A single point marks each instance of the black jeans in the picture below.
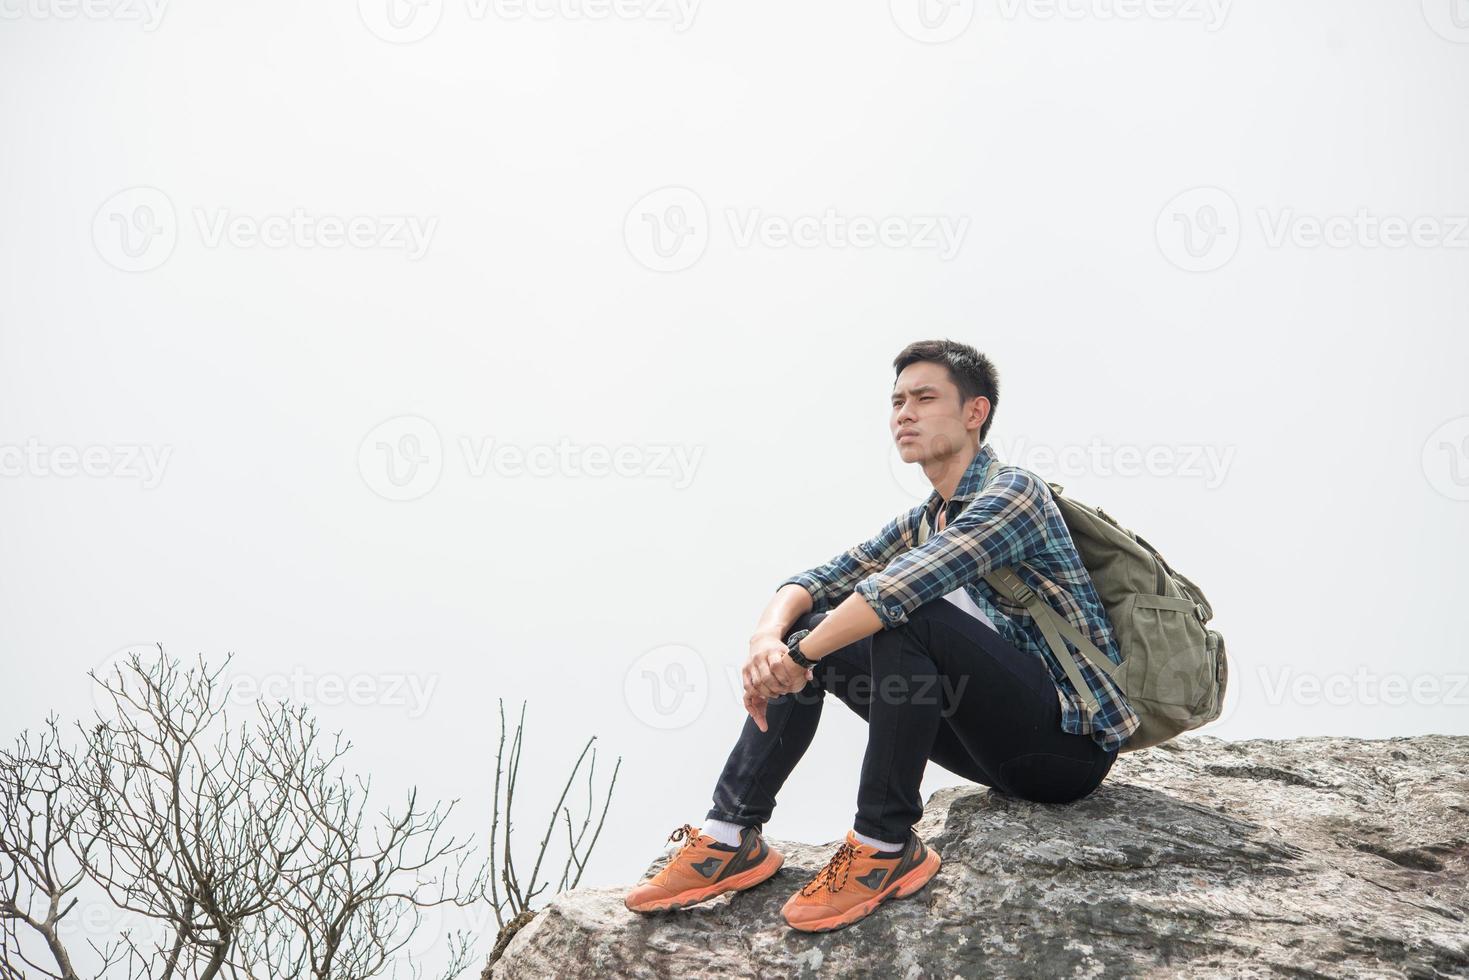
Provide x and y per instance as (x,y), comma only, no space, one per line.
(943,686)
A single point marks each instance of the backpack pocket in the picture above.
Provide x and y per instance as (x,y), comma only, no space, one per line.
(1220,662)
(1167,660)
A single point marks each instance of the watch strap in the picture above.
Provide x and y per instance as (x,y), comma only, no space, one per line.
(793,648)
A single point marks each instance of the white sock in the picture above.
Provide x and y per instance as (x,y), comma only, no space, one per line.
(881,845)
(723,831)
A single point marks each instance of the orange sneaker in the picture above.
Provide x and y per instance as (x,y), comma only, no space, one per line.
(855,881)
(703,869)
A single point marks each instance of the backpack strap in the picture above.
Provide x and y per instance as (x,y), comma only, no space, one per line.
(1052,624)
(1054,627)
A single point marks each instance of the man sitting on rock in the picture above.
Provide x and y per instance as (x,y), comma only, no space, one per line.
(913,639)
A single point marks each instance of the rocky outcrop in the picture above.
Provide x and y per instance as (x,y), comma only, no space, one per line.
(1311,857)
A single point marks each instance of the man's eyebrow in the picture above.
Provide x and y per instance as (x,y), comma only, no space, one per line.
(920,389)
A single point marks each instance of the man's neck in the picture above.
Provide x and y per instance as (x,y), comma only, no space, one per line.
(946,473)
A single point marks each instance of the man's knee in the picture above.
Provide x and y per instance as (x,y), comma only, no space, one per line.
(807,621)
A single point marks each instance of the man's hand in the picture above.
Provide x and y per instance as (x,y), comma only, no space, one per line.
(768,673)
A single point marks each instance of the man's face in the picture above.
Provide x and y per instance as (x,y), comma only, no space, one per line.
(927,421)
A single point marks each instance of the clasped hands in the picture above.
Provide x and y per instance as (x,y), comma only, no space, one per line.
(768,673)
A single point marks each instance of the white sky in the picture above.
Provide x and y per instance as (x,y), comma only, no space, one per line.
(1303,402)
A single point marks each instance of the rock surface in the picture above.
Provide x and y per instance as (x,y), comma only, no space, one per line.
(1310,857)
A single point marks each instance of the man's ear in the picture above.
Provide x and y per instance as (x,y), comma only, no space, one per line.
(979,410)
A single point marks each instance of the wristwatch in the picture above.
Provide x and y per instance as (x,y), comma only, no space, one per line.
(793,647)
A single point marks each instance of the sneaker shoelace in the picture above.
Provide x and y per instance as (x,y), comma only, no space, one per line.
(688,833)
(839,865)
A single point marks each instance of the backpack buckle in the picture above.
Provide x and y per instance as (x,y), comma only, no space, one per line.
(1019,591)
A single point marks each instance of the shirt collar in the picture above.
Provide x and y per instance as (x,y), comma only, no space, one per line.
(973,480)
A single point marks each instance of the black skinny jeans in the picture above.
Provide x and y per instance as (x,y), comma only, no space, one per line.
(942,686)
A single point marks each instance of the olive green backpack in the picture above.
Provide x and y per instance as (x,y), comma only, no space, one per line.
(1174,670)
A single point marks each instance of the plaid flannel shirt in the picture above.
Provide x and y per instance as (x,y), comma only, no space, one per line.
(999,515)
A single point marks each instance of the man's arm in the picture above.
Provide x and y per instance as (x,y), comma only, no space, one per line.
(1004,524)
(789,604)
(814,590)
(832,582)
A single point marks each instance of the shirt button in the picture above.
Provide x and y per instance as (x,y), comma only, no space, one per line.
(895,610)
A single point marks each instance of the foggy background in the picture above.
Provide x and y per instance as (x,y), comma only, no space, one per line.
(427,356)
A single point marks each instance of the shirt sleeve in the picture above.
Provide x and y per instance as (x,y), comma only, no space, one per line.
(1003,524)
(832,582)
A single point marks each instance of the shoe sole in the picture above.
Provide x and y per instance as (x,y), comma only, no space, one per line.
(909,884)
(746,879)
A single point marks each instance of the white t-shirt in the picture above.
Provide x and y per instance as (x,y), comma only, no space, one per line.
(961,598)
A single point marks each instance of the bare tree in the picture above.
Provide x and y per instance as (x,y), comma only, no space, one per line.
(194,822)
(38,825)
(247,848)
(513,908)
(360,898)
(250,844)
